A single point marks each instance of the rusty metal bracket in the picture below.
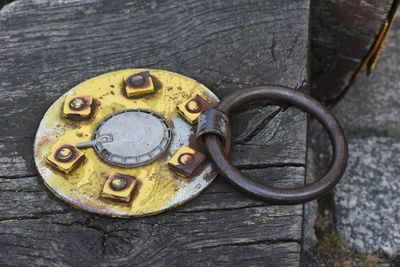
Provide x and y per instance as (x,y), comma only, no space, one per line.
(141,155)
(107,145)
(214,145)
(213,121)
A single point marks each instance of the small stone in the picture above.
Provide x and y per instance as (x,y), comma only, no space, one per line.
(366,199)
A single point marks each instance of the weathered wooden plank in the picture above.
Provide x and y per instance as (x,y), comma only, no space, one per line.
(68,240)
(259,133)
(28,197)
(343,32)
(237,232)
(48,47)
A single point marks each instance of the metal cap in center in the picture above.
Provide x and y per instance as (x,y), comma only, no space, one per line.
(132,138)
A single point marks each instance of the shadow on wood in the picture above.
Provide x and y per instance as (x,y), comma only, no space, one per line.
(50,46)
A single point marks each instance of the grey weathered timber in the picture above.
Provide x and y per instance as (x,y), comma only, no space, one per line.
(47,47)
(343,33)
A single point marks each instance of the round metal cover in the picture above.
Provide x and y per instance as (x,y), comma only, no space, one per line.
(156,187)
(132,138)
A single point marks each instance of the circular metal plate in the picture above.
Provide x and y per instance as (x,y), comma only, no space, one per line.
(158,188)
(132,138)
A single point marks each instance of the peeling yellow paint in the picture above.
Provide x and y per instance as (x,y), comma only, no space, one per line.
(158,188)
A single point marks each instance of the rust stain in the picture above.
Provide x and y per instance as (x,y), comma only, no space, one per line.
(210,176)
(158,188)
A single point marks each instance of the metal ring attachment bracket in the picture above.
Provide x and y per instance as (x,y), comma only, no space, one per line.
(214,123)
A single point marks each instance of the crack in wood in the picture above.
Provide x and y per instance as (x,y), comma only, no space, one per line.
(48,50)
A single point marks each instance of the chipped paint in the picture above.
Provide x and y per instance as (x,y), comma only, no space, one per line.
(158,188)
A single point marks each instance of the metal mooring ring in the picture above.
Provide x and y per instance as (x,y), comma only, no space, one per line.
(215,151)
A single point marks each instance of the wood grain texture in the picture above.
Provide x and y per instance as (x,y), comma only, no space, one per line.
(47,47)
(343,32)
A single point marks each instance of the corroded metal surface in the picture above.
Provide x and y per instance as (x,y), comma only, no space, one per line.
(191,109)
(186,162)
(214,146)
(131,138)
(157,188)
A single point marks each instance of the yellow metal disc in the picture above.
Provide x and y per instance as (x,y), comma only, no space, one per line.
(156,186)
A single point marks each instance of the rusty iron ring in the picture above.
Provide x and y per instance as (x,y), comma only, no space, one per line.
(215,151)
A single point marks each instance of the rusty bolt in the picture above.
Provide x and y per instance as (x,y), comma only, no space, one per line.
(77,103)
(194,106)
(186,162)
(65,153)
(118,183)
(65,158)
(186,159)
(138,80)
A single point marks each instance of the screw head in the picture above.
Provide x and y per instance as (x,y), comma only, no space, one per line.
(77,103)
(64,153)
(118,183)
(193,106)
(186,159)
(138,80)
